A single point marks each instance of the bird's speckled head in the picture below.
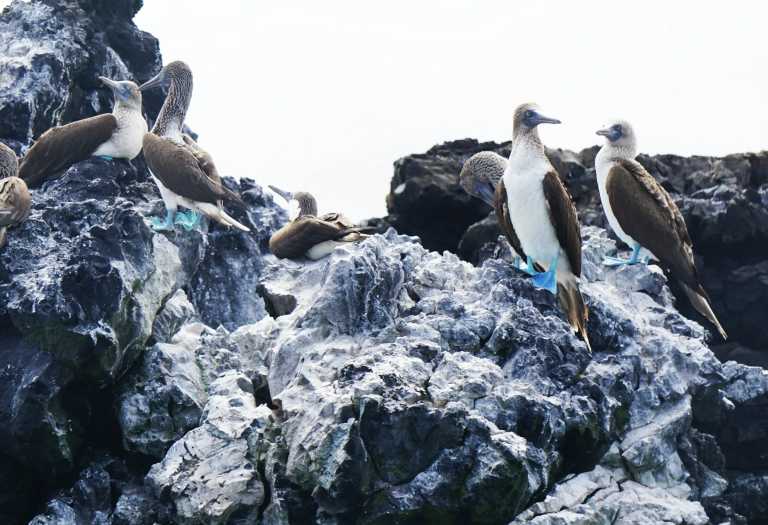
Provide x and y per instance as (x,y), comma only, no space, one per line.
(300,203)
(126,92)
(9,164)
(481,173)
(619,133)
(528,116)
(176,72)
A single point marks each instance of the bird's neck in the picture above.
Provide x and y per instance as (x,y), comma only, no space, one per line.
(307,206)
(124,108)
(528,156)
(528,139)
(616,152)
(171,118)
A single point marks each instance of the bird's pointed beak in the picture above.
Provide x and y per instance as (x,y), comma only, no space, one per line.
(155,81)
(111,84)
(287,195)
(541,119)
(603,132)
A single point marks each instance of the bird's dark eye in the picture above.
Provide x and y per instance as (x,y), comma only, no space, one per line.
(618,129)
(528,113)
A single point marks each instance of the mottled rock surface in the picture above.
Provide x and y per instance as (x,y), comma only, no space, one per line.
(192,378)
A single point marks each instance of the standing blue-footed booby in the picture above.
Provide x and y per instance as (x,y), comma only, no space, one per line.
(112,135)
(539,218)
(182,170)
(308,235)
(15,201)
(643,215)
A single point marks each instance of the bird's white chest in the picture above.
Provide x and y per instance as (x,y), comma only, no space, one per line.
(603,165)
(126,141)
(528,208)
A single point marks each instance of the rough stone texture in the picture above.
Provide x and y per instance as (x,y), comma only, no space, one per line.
(191,378)
(410,387)
(51,54)
(724,201)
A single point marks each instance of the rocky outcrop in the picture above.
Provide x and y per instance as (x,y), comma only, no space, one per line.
(724,201)
(191,377)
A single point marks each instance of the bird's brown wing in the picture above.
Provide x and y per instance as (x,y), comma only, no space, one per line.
(338,219)
(60,147)
(204,159)
(647,213)
(295,238)
(179,170)
(15,201)
(563,215)
(505,223)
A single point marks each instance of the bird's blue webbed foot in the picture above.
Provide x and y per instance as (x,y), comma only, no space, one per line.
(189,220)
(527,267)
(105,157)
(162,224)
(634,259)
(545,280)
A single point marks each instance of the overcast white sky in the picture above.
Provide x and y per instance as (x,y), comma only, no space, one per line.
(324,96)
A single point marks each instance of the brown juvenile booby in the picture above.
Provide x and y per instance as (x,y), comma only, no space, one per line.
(643,215)
(480,175)
(111,135)
(308,235)
(182,170)
(15,201)
(539,218)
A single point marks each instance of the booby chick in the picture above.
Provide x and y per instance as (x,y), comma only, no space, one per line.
(643,215)
(308,235)
(15,201)
(184,173)
(111,135)
(539,219)
(480,175)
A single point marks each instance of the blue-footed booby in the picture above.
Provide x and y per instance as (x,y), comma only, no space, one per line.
(308,235)
(15,201)
(539,218)
(644,216)
(182,170)
(111,135)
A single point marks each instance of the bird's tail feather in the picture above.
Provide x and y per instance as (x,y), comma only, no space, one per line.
(572,303)
(700,302)
(234,198)
(3,231)
(219,215)
(355,233)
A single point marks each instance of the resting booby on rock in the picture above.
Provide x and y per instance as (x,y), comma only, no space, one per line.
(15,201)
(307,234)
(643,215)
(539,219)
(480,175)
(182,170)
(112,135)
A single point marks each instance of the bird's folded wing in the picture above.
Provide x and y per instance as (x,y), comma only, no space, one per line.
(298,236)
(505,223)
(647,213)
(60,147)
(562,212)
(204,159)
(177,167)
